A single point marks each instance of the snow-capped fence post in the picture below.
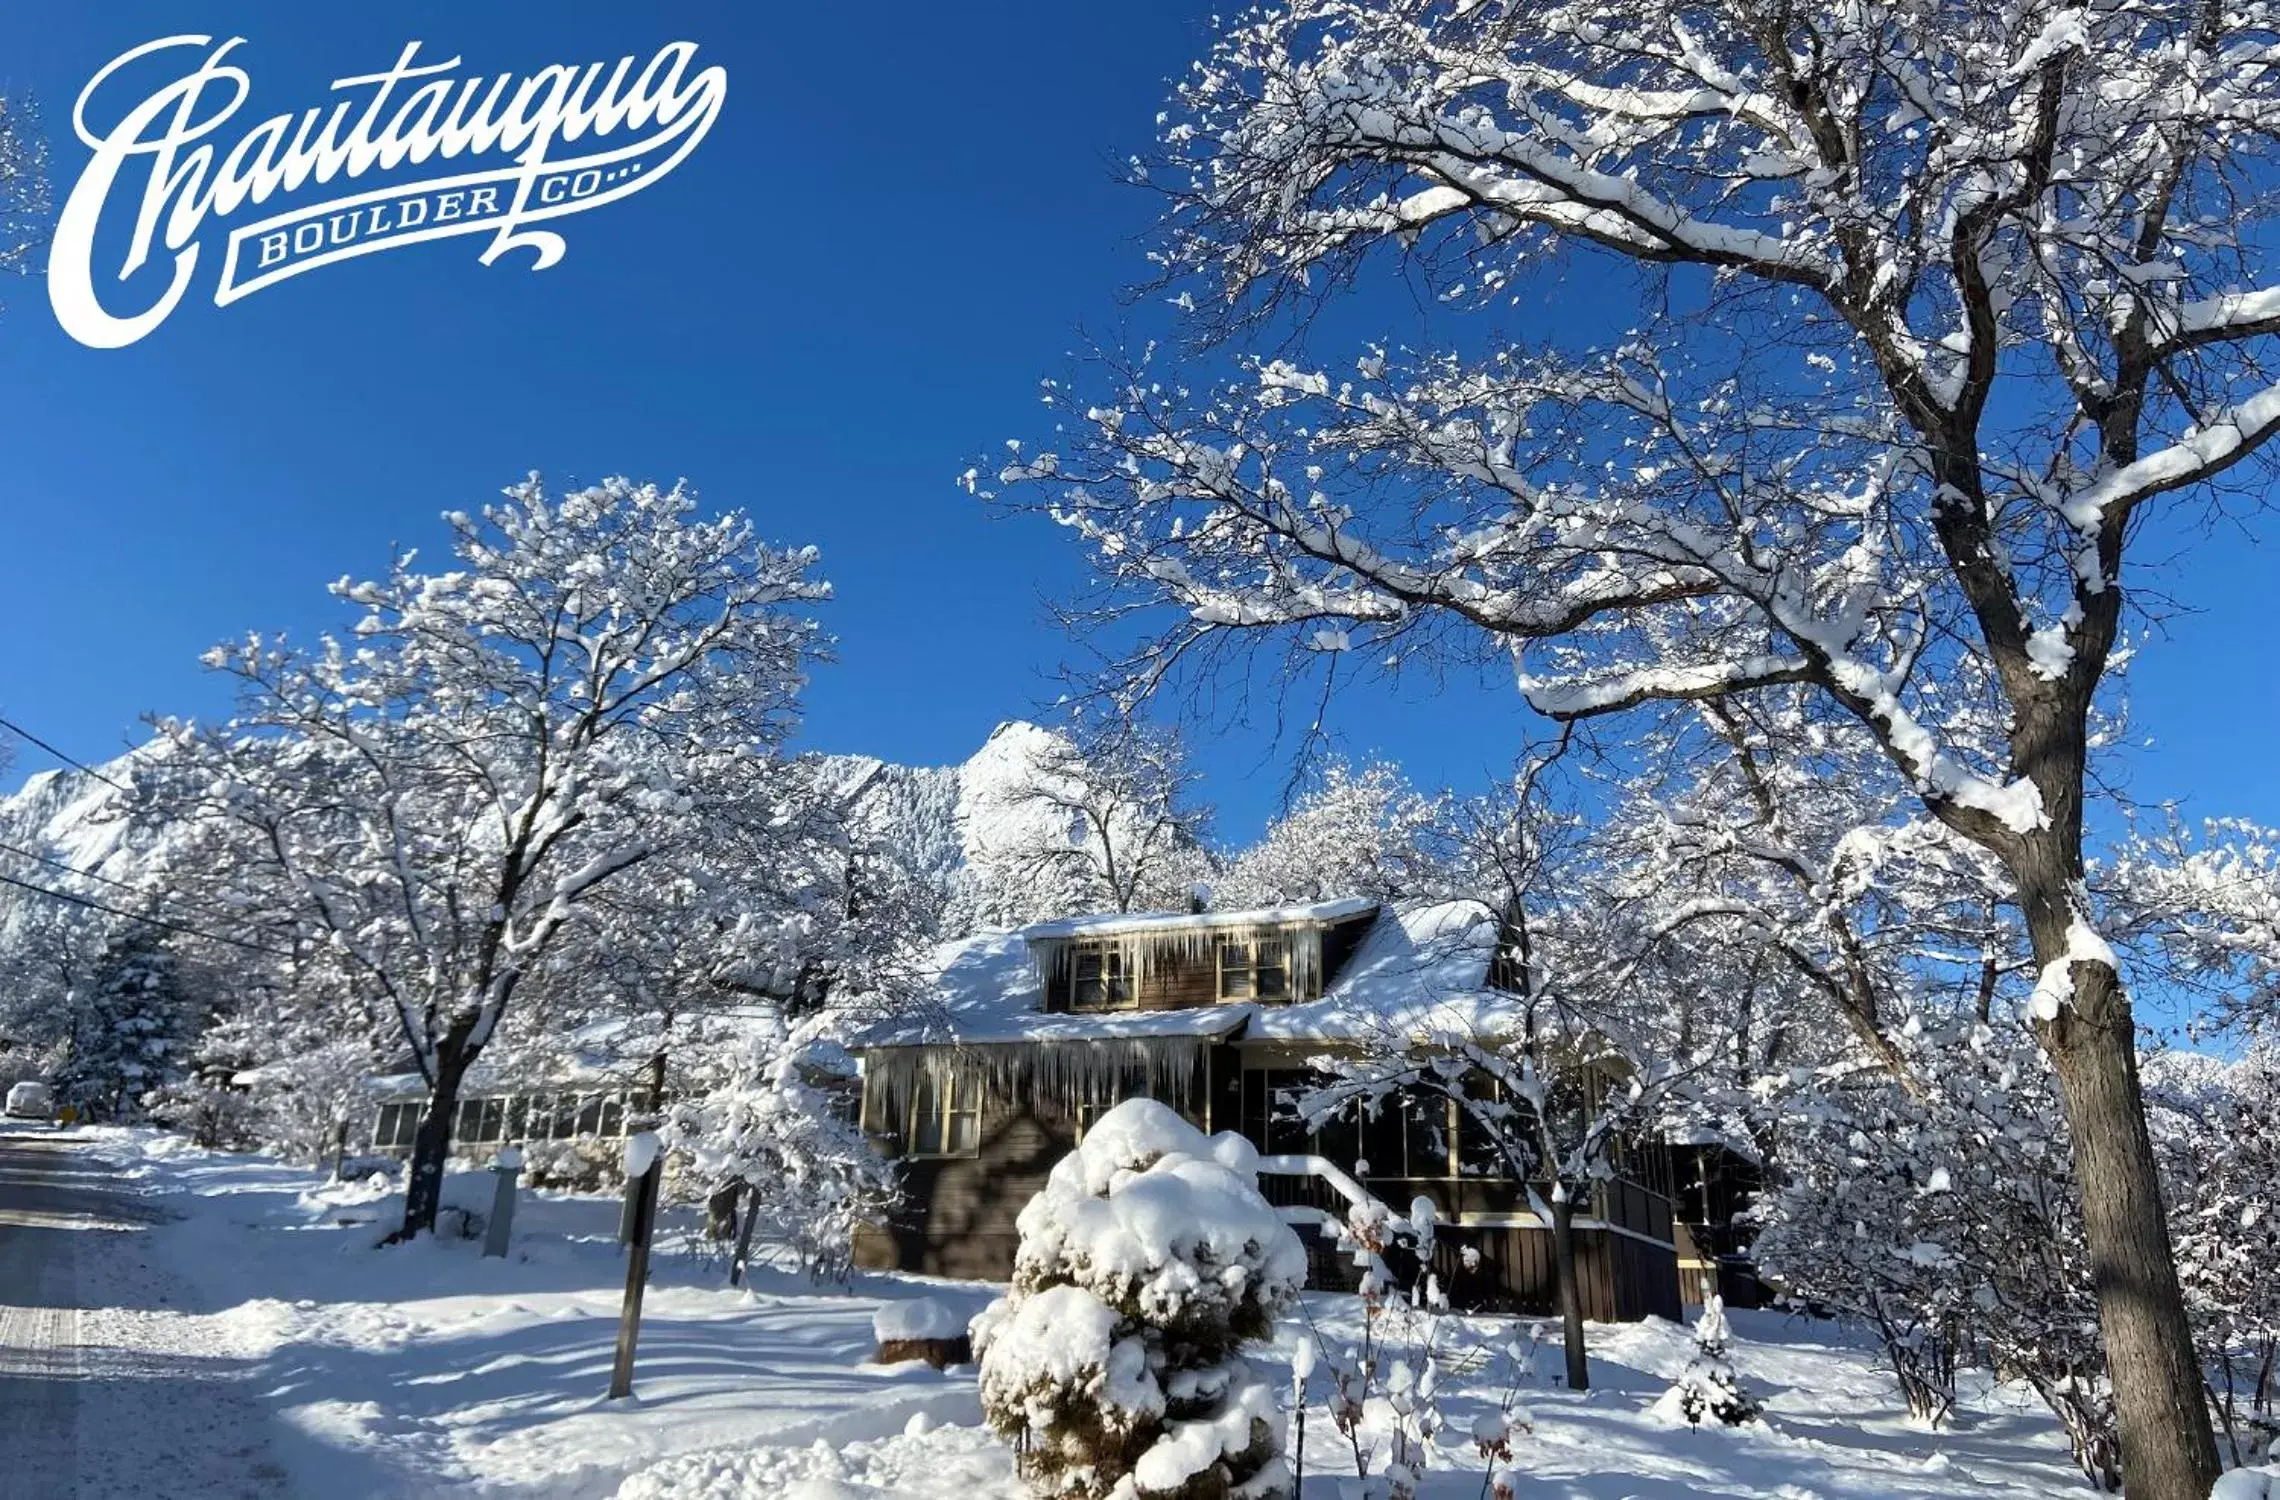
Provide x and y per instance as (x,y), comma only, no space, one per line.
(506,1169)
(644,1166)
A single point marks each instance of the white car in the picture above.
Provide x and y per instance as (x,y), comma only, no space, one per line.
(31,1101)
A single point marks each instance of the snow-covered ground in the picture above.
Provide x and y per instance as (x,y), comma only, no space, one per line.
(426,1369)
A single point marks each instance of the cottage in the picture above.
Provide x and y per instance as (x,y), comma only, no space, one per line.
(1033,1033)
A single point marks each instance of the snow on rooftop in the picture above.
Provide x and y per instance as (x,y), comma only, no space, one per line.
(1168,921)
(988,990)
(1420,970)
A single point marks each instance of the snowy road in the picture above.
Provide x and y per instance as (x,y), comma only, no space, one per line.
(41,1209)
(95,1398)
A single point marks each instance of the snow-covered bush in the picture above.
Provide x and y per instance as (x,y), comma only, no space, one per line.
(2216,1126)
(1708,1390)
(1113,1365)
(1939,1206)
(580,1166)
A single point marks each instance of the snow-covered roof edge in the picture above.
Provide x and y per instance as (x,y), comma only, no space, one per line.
(1158,921)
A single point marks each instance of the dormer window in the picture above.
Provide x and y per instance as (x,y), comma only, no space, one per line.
(1099,981)
(1254,970)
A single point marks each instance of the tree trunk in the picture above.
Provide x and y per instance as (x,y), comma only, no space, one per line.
(1571,1291)
(431,1145)
(720,1212)
(2168,1450)
(743,1258)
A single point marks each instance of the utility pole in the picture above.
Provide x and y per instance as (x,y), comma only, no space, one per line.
(644,1168)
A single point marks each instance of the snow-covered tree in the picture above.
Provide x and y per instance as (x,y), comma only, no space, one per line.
(771,1122)
(1938,303)
(425,804)
(1099,817)
(1114,1363)
(1354,832)
(133,1024)
(25,224)
(1708,1390)
(1584,1051)
(2205,906)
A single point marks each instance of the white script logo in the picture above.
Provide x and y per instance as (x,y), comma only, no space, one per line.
(412,114)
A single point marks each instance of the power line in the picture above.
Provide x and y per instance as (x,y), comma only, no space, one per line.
(159,922)
(69,868)
(22,733)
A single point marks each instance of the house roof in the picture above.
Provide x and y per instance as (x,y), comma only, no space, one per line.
(1417,970)
(1115,923)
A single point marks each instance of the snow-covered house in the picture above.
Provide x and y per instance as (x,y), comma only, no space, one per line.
(1033,1033)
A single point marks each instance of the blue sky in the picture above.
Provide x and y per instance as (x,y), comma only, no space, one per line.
(905,217)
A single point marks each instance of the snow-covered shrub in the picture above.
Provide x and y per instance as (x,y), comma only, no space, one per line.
(1113,1365)
(2216,1127)
(1941,1209)
(578,1166)
(1708,1390)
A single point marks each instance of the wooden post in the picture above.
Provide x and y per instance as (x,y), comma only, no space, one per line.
(645,1166)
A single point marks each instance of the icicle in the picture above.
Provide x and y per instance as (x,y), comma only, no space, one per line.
(1143,952)
(1058,1077)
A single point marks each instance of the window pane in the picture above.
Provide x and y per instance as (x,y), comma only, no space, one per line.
(613,1115)
(1338,1140)
(589,1114)
(965,1131)
(1382,1144)
(1234,972)
(928,1141)
(1272,965)
(1478,1150)
(469,1115)
(1426,1120)
(1287,1134)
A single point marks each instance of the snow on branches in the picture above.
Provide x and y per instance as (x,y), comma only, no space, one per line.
(1708,1390)
(1146,1262)
(1941,298)
(427,801)
(766,1124)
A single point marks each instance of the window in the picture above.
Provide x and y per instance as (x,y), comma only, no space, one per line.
(397,1125)
(1099,982)
(480,1122)
(1270,1119)
(1254,971)
(946,1117)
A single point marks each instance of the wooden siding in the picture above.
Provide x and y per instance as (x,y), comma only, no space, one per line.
(1193,980)
(956,1216)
